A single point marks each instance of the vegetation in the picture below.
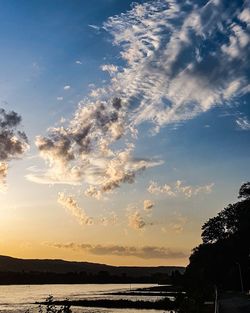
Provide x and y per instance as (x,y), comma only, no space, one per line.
(164,304)
(223,259)
(50,307)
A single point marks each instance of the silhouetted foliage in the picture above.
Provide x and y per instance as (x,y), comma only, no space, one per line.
(245,191)
(232,221)
(224,252)
(51,308)
(227,223)
(163,304)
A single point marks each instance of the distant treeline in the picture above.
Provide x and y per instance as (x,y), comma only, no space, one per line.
(102,277)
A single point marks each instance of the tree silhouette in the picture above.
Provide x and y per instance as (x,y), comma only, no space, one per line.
(232,221)
(225,247)
(245,191)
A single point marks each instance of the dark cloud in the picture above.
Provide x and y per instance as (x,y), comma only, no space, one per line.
(82,150)
(145,252)
(9,119)
(117,103)
(13,142)
(82,136)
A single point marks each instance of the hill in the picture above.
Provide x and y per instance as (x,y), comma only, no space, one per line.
(15,270)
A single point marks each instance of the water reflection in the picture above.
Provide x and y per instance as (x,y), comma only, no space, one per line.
(17,299)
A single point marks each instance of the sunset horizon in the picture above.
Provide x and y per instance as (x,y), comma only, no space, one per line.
(124,126)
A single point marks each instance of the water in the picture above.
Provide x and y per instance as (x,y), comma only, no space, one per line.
(18,299)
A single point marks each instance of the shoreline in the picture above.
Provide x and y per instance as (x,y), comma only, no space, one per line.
(165,303)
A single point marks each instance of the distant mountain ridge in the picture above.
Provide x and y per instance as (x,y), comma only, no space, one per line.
(17,265)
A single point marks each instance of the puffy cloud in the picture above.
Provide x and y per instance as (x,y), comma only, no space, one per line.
(110,219)
(179,189)
(71,205)
(13,142)
(238,40)
(156,189)
(97,93)
(145,252)
(245,14)
(189,191)
(3,173)
(59,98)
(67,87)
(75,151)
(136,221)
(123,169)
(243,123)
(110,68)
(148,205)
(81,152)
(93,192)
(78,62)
(83,135)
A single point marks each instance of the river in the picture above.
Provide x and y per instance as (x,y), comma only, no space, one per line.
(19,298)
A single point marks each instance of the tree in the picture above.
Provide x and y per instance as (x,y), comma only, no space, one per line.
(232,221)
(245,191)
(226,244)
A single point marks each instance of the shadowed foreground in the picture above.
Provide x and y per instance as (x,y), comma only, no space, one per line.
(164,304)
(234,303)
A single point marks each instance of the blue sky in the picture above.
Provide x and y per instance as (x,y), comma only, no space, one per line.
(147,170)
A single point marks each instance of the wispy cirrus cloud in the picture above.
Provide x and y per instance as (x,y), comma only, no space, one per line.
(174,68)
(95,27)
(145,252)
(13,142)
(243,123)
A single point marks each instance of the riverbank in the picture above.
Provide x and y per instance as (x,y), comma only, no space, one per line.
(168,299)
(164,304)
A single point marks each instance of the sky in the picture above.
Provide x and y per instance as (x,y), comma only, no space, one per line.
(124,126)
